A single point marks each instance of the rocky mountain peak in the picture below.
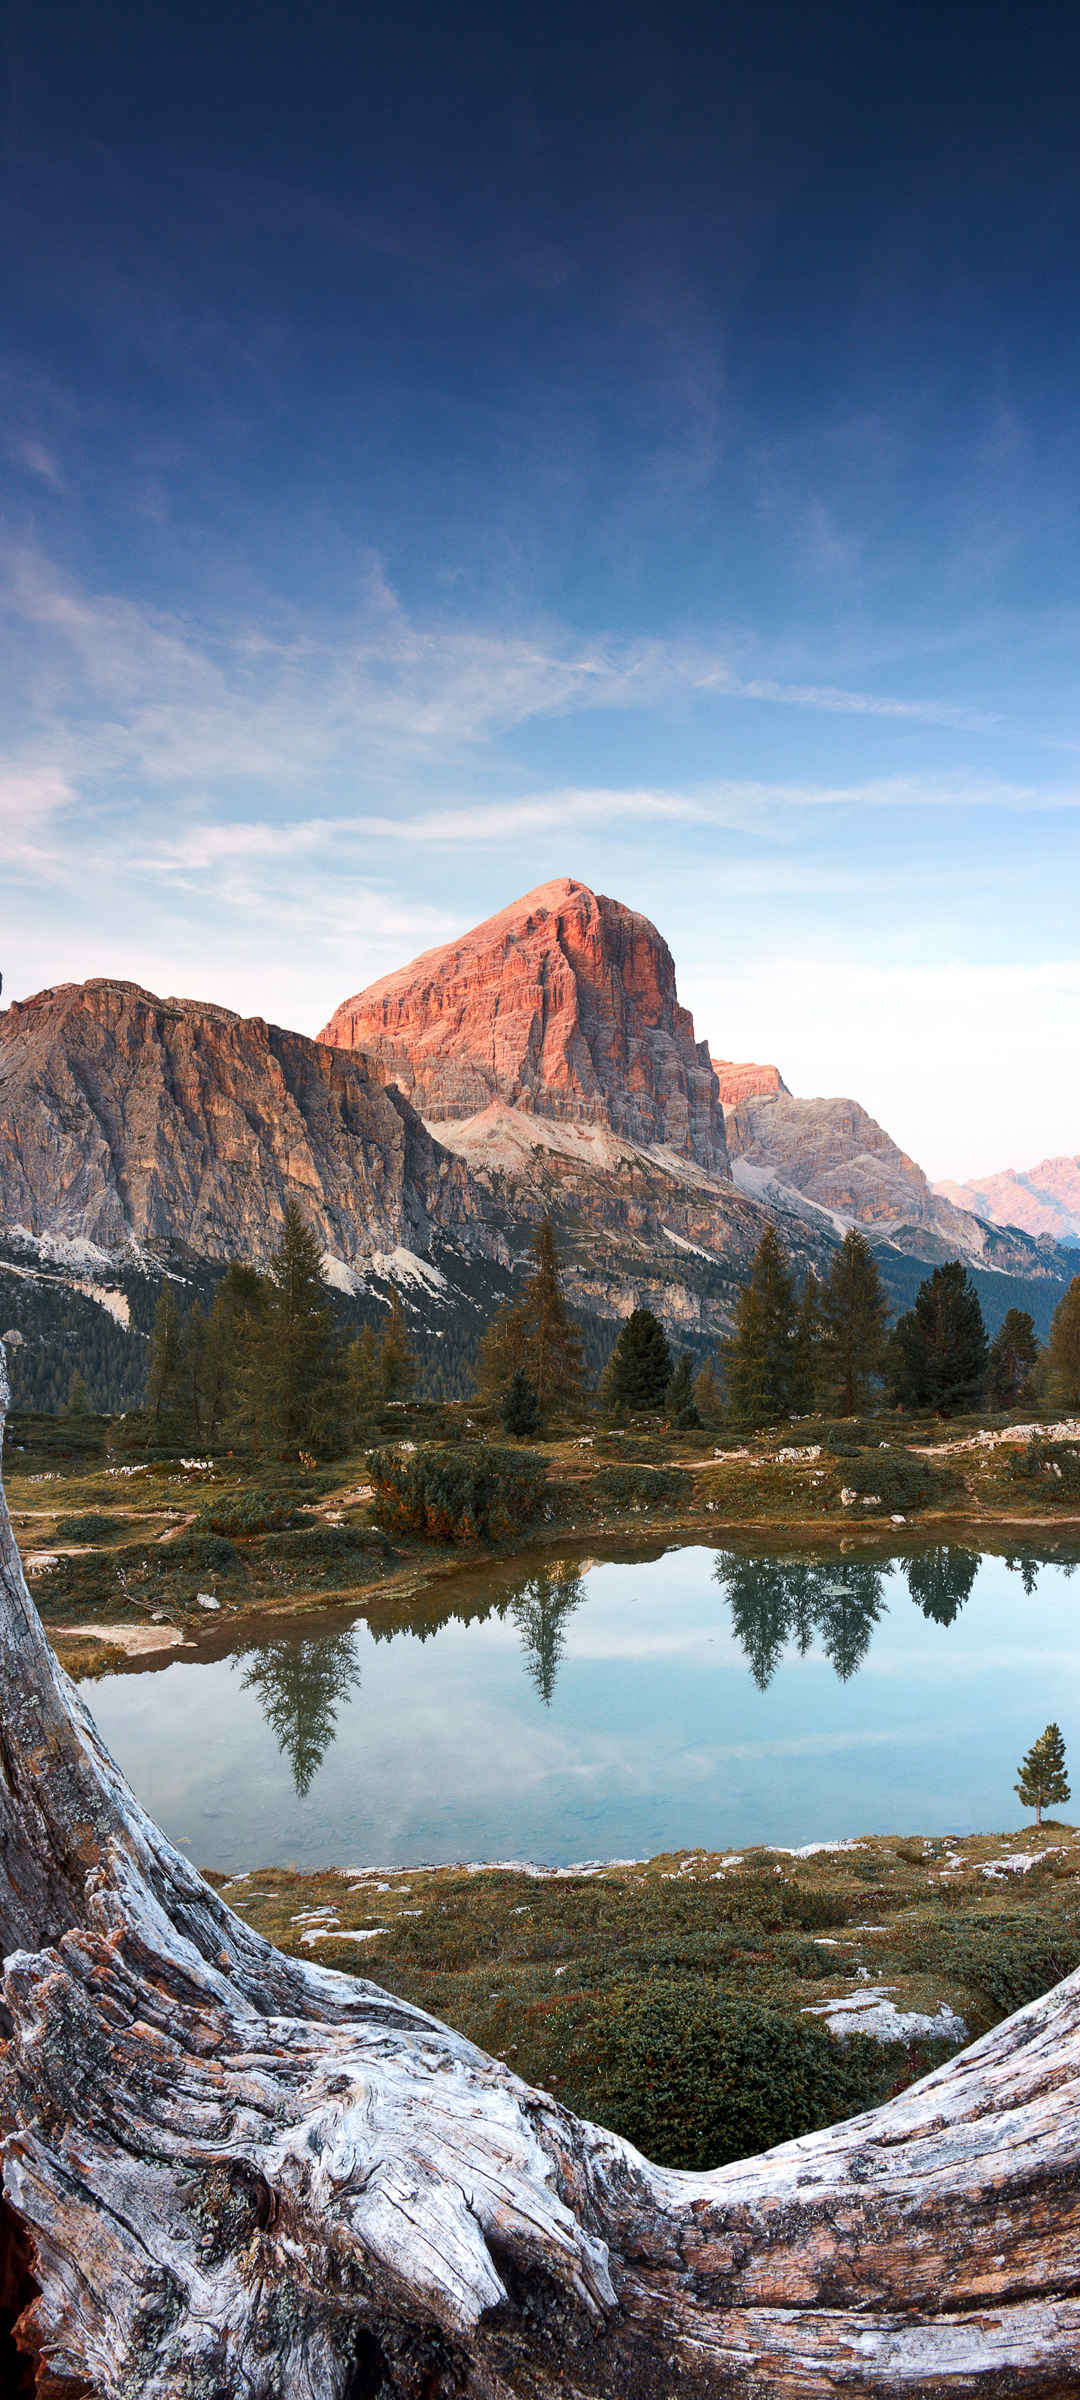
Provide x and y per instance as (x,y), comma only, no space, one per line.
(745,1080)
(563,1006)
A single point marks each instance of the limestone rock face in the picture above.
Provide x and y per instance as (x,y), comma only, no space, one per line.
(745,1081)
(125,1118)
(833,1152)
(1041,1200)
(563,1006)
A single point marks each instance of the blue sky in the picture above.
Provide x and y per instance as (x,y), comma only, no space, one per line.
(446,452)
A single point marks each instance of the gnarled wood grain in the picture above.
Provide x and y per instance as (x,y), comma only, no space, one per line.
(242,2175)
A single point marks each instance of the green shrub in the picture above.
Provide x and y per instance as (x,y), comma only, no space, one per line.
(849,1435)
(456,1494)
(327,1541)
(694,2078)
(1005,1960)
(210,1552)
(633,1489)
(899,1481)
(1046,1470)
(93,1527)
(251,1512)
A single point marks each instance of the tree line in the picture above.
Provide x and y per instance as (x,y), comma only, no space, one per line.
(266,1365)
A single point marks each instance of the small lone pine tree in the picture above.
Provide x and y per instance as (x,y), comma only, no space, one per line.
(638,1372)
(77,1401)
(1042,1779)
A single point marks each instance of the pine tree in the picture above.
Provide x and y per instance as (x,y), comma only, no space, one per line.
(397,1364)
(1013,1353)
(363,1382)
(854,1315)
(760,1353)
(299,1687)
(1042,1779)
(940,1581)
(535,1334)
(708,1397)
(679,1398)
(77,1401)
(639,1369)
(295,1380)
(232,1331)
(540,1608)
(1062,1362)
(806,1371)
(163,1370)
(938,1355)
(520,1410)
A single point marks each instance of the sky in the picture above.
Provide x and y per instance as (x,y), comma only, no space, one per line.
(444,449)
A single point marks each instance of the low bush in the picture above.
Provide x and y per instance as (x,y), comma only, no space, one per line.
(93,1527)
(900,1482)
(1048,1471)
(456,1494)
(328,1541)
(251,1512)
(1004,1960)
(694,2078)
(210,1552)
(850,1434)
(634,1490)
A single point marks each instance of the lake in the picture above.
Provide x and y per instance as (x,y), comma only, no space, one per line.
(561,1709)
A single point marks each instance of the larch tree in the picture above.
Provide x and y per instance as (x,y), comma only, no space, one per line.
(1062,1363)
(854,1316)
(1013,1355)
(761,1350)
(294,1378)
(397,1361)
(536,1334)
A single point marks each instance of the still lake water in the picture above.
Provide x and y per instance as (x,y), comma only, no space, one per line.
(591,1708)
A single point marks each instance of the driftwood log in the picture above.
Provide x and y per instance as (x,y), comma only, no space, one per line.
(231,2176)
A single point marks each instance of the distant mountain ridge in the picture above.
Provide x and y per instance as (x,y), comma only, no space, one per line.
(1042,1200)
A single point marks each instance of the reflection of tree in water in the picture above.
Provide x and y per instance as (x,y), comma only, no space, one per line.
(940,1581)
(775,1601)
(1027,1570)
(540,1607)
(299,1686)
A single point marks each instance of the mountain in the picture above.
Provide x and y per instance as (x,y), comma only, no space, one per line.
(127,1121)
(1041,1200)
(562,1007)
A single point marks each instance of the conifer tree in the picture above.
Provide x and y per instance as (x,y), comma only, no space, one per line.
(638,1372)
(1013,1353)
(535,1334)
(232,1330)
(679,1398)
(397,1364)
(761,1351)
(854,1314)
(938,1355)
(295,1377)
(77,1402)
(708,1397)
(1062,1365)
(163,1370)
(362,1378)
(1042,1781)
(520,1410)
(806,1371)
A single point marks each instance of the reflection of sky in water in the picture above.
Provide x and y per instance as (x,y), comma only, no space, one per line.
(655,1736)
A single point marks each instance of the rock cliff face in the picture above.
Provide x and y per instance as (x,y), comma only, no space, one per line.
(562,1007)
(831,1151)
(1041,1200)
(745,1081)
(124,1118)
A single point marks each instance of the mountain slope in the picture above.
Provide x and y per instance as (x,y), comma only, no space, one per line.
(1041,1200)
(129,1120)
(564,1007)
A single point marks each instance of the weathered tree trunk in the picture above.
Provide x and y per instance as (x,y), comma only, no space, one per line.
(239,2175)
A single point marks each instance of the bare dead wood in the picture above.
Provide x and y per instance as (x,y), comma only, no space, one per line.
(243,2175)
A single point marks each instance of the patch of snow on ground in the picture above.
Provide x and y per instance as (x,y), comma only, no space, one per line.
(403,1266)
(695,1248)
(335,1933)
(60,1249)
(1018,1862)
(340,1276)
(872,2012)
